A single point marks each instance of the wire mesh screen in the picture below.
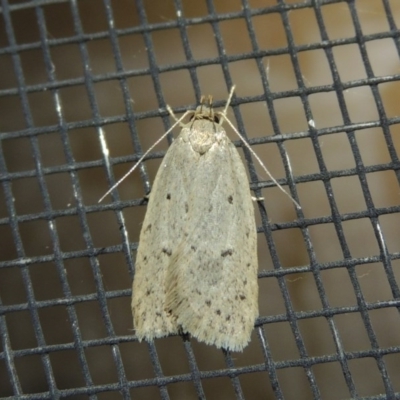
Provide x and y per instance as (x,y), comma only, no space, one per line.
(83,92)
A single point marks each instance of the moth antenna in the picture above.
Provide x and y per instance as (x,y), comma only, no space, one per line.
(228,102)
(175,117)
(254,154)
(178,121)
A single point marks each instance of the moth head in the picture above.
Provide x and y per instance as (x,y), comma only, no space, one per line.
(205,111)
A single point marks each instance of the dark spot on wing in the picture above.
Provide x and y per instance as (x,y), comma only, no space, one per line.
(218,312)
(168,252)
(230,199)
(210,208)
(180,302)
(228,318)
(148,228)
(208,302)
(242,297)
(168,196)
(228,252)
(194,248)
(186,207)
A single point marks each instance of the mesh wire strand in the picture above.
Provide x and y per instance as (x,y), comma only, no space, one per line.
(9,357)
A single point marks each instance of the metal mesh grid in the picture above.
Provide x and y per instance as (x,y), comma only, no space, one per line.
(329,322)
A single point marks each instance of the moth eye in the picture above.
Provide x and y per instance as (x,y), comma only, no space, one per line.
(216,119)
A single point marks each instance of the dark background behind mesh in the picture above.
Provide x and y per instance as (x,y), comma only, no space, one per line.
(83,90)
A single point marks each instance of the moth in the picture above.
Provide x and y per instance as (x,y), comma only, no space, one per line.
(196,264)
